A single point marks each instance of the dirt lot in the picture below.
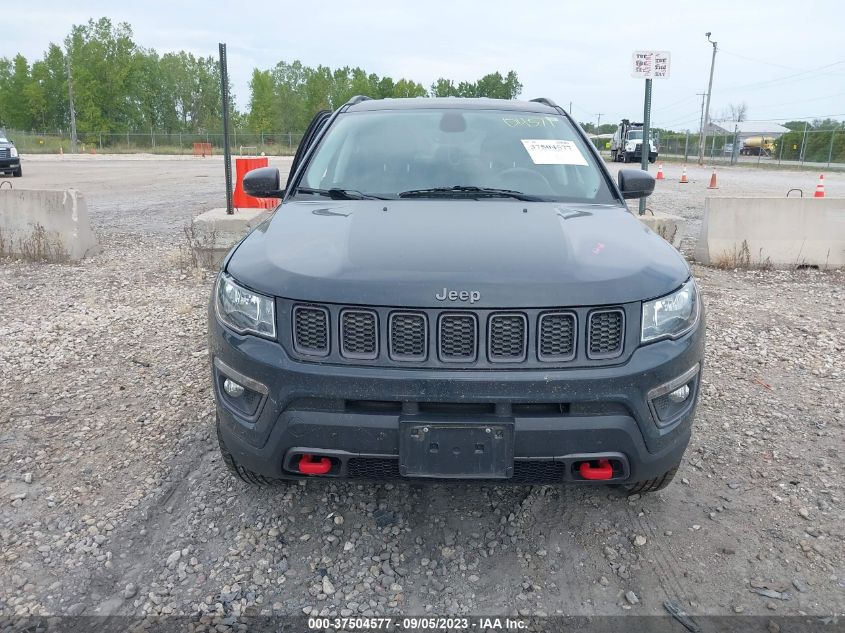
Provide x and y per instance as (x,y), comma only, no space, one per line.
(115,500)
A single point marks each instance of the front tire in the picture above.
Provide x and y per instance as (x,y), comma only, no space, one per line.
(653,485)
(18,172)
(244,474)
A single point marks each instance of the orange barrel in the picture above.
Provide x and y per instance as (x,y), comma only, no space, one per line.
(239,197)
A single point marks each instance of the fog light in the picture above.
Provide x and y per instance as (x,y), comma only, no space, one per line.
(680,394)
(232,388)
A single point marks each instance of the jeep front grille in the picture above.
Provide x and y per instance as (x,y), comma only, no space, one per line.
(606,333)
(359,334)
(5,152)
(507,341)
(557,336)
(408,336)
(457,338)
(311,330)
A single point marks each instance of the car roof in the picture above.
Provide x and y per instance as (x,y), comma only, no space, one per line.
(457,103)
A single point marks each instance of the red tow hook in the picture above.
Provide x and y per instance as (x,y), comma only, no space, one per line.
(603,471)
(310,465)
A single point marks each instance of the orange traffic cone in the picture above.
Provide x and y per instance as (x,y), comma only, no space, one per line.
(713,184)
(659,175)
(684,175)
(820,187)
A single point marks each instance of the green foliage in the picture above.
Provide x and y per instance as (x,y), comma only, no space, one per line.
(493,86)
(816,145)
(120,87)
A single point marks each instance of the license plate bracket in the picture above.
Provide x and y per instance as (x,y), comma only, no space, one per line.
(456,450)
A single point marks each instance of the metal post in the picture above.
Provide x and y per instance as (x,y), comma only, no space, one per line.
(780,149)
(707,107)
(830,151)
(735,146)
(686,147)
(73,138)
(227,154)
(803,143)
(646,144)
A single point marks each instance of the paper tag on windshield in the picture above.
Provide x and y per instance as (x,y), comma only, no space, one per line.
(551,152)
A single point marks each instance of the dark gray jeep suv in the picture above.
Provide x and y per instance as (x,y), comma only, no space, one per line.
(454,289)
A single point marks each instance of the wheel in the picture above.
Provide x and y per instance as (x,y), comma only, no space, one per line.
(18,172)
(653,485)
(244,474)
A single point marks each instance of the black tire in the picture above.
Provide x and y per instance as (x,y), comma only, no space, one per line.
(18,172)
(245,475)
(653,485)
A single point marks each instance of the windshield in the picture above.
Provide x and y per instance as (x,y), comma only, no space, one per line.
(3,139)
(635,135)
(391,152)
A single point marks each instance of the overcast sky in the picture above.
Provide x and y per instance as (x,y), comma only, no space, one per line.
(786,60)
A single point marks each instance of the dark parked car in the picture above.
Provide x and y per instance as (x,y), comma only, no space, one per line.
(454,289)
(10,162)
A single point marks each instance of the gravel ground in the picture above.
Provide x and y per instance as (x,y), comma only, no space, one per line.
(115,500)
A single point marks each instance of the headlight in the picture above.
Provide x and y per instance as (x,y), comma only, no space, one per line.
(629,147)
(672,315)
(14,152)
(243,310)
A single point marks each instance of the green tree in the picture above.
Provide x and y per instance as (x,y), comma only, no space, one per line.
(16,94)
(263,104)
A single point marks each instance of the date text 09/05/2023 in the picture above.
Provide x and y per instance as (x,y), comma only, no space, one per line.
(423,623)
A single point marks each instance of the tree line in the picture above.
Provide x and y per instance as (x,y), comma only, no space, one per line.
(120,86)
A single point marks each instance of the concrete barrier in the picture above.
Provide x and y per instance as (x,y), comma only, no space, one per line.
(669,227)
(48,225)
(214,233)
(780,232)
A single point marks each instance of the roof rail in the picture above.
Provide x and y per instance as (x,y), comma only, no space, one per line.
(545,101)
(358,99)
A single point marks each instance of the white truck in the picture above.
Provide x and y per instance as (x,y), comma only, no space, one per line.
(626,146)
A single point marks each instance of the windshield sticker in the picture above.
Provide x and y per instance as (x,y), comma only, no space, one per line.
(530,121)
(552,152)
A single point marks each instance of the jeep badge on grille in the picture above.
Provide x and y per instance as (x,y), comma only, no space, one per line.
(458,295)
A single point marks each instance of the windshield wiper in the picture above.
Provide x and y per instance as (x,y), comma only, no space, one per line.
(471,191)
(340,194)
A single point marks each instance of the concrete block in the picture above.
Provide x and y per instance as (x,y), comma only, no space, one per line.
(41,224)
(669,227)
(214,232)
(779,232)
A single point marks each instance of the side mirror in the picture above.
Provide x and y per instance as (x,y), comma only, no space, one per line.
(264,182)
(635,183)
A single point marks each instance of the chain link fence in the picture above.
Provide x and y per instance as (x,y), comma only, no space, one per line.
(813,148)
(156,142)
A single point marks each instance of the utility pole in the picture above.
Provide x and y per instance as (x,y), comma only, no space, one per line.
(72,109)
(707,107)
(598,122)
(701,120)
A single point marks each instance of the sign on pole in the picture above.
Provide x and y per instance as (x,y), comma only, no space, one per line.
(650,65)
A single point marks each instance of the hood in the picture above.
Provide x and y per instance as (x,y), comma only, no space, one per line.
(404,252)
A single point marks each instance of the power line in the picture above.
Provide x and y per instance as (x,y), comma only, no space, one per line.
(785,78)
(777,105)
(759,61)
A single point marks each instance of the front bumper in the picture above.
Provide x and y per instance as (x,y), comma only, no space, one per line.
(9,164)
(353,413)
